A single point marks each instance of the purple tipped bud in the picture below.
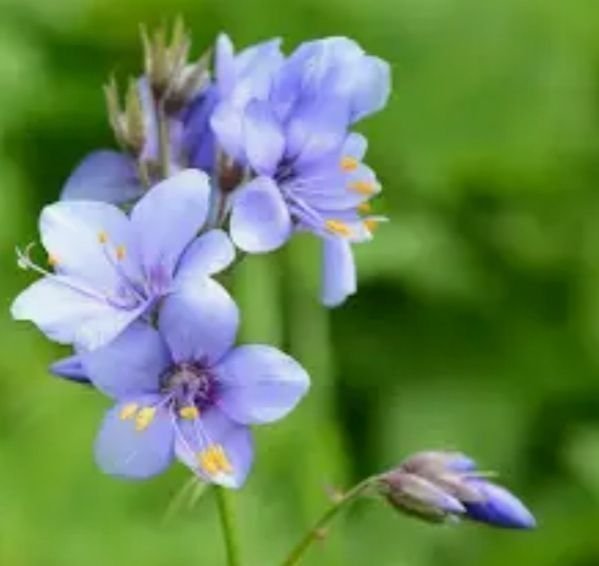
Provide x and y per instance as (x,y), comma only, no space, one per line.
(498,507)
(417,496)
(438,461)
(439,485)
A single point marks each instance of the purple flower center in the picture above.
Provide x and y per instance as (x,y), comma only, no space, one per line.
(190,384)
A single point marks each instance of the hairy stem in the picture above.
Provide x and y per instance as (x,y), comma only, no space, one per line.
(227,521)
(318,529)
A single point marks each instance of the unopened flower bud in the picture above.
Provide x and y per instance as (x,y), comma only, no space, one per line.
(437,486)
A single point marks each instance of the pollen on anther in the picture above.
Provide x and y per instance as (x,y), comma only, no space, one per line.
(102,237)
(364,208)
(365,188)
(128,411)
(121,252)
(213,460)
(52,260)
(144,418)
(371,224)
(349,163)
(189,413)
(339,228)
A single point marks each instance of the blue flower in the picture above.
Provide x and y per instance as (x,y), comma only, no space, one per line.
(289,124)
(111,269)
(185,391)
(437,486)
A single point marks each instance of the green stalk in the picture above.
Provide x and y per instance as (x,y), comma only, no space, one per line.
(227,520)
(318,529)
(163,140)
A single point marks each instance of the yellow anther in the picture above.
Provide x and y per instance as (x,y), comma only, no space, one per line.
(365,188)
(339,228)
(371,224)
(52,260)
(349,163)
(144,418)
(365,208)
(102,237)
(214,460)
(189,413)
(222,460)
(121,252)
(128,411)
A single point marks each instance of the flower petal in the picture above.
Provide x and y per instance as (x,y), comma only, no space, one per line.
(123,450)
(498,507)
(70,368)
(371,88)
(130,365)
(215,429)
(260,384)
(211,253)
(260,220)
(82,237)
(264,142)
(199,321)
(338,272)
(103,175)
(168,217)
(68,316)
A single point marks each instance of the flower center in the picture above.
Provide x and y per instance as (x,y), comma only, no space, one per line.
(190,385)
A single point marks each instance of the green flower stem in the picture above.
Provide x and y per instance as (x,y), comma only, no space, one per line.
(318,529)
(227,520)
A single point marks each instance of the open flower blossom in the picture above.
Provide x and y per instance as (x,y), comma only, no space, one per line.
(110,269)
(437,486)
(289,124)
(184,390)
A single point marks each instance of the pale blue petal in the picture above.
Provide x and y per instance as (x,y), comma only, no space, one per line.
(70,368)
(122,450)
(260,220)
(199,321)
(104,175)
(130,365)
(68,316)
(210,253)
(264,142)
(338,271)
(168,218)
(82,237)
(260,384)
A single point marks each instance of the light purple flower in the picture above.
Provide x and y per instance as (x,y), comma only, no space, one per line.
(291,129)
(111,269)
(185,391)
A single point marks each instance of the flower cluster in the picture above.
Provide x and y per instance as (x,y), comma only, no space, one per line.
(213,164)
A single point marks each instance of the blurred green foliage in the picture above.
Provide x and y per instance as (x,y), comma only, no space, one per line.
(477,324)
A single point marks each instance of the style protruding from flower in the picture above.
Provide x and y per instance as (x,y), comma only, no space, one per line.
(109,269)
(446,486)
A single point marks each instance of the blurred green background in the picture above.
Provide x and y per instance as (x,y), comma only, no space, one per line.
(477,322)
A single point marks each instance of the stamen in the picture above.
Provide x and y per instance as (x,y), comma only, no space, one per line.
(121,252)
(365,208)
(128,411)
(52,260)
(339,228)
(213,460)
(349,163)
(102,237)
(365,188)
(189,413)
(371,224)
(144,418)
